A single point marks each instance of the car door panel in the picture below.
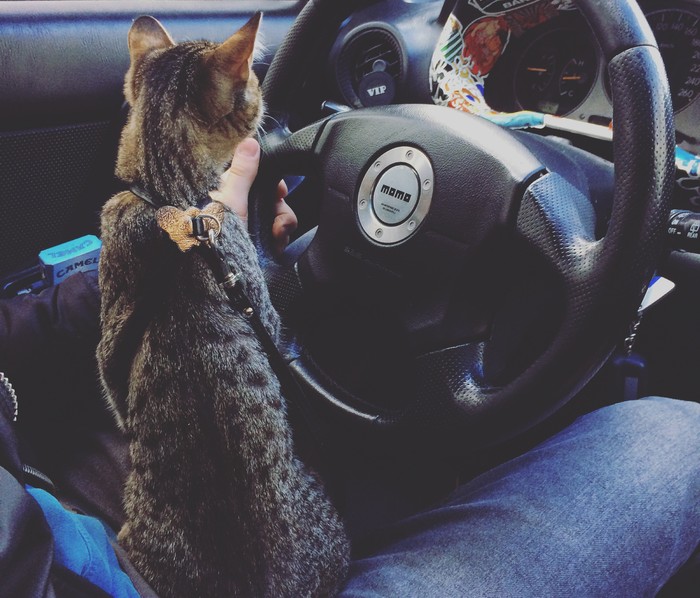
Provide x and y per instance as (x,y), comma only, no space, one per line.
(62,67)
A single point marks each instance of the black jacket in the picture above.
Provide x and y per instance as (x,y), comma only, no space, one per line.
(47,347)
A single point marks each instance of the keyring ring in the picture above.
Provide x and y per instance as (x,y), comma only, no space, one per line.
(212,233)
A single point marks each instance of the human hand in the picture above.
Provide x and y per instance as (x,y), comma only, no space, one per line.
(235,186)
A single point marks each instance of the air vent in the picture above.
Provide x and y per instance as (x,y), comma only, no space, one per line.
(367,52)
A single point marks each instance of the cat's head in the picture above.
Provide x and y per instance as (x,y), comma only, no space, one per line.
(190,105)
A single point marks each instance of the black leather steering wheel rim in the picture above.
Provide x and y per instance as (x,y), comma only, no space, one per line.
(604,279)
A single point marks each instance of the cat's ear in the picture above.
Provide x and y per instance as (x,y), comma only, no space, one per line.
(228,67)
(147,34)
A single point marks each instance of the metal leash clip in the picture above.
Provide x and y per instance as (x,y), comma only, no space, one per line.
(191,227)
(202,232)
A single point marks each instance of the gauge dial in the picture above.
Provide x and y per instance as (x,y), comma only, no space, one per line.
(539,71)
(677,33)
(575,80)
(556,72)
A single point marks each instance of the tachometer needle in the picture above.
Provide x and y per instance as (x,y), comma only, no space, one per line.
(572,78)
(536,69)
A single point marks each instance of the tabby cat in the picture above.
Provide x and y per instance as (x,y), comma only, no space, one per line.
(217,503)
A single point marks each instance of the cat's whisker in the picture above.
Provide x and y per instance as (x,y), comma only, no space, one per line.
(260,130)
(263,122)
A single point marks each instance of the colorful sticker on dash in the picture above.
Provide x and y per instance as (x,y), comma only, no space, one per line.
(494,7)
(475,36)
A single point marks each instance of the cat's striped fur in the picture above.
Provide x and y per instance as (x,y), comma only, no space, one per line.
(217,503)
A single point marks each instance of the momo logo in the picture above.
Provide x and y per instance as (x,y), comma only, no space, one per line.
(492,7)
(380,90)
(396,193)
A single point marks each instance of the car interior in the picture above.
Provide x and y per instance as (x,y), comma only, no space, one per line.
(494,297)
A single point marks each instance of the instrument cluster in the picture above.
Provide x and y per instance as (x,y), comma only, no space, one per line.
(557,68)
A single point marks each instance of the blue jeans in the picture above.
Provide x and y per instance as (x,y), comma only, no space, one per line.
(608,507)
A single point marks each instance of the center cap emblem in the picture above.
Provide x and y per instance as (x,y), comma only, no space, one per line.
(395,194)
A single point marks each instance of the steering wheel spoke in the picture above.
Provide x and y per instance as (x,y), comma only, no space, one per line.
(557,222)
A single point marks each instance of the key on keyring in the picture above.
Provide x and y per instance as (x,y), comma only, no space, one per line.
(630,367)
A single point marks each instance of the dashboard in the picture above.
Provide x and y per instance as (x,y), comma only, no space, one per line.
(528,55)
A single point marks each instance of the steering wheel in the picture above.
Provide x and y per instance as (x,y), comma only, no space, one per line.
(454,284)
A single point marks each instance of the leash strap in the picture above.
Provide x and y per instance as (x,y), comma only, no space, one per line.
(239,300)
(142,194)
(199,229)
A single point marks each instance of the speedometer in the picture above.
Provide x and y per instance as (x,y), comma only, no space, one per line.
(556,72)
(677,33)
